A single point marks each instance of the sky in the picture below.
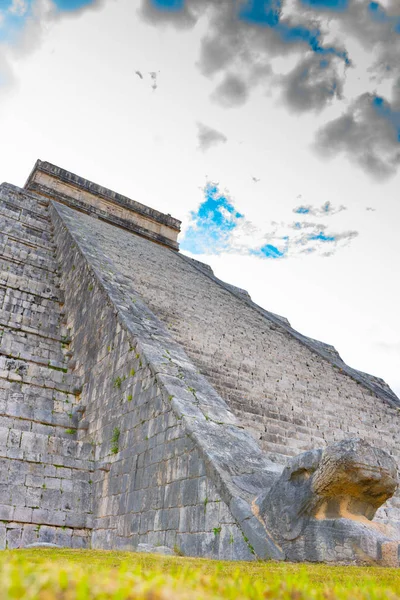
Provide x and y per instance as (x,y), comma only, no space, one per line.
(270,128)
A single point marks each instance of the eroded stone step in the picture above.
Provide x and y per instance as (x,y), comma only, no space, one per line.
(42,493)
(22,252)
(37,421)
(28,233)
(26,204)
(35,398)
(37,360)
(29,346)
(27,217)
(32,325)
(29,199)
(20,535)
(41,289)
(12,369)
(16,406)
(40,448)
(24,201)
(26,270)
(43,310)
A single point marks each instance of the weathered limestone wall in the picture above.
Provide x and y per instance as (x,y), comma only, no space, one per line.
(45,471)
(167,465)
(290,398)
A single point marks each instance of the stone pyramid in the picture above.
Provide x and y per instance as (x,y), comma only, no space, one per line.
(146,404)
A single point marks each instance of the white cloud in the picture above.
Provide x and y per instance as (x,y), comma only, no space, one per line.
(18,8)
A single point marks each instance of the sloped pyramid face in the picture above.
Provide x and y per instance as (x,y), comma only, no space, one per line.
(144,401)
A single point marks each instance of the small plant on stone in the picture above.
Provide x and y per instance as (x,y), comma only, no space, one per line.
(217,530)
(117,382)
(70,431)
(129,398)
(115,441)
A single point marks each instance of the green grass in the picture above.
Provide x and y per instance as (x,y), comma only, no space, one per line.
(46,574)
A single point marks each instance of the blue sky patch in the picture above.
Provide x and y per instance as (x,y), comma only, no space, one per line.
(14,15)
(302,210)
(269,251)
(321,237)
(334,5)
(70,5)
(212,223)
(168,4)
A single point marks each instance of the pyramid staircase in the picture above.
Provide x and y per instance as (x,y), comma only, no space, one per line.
(45,489)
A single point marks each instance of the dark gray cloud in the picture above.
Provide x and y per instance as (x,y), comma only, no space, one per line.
(377,31)
(209,137)
(368,137)
(232,91)
(237,53)
(312,84)
(182,19)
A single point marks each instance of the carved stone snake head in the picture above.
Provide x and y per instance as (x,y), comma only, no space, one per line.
(331,496)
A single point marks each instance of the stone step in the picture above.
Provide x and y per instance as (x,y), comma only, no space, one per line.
(42,328)
(58,496)
(30,200)
(25,418)
(25,203)
(24,269)
(28,233)
(40,408)
(278,450)
(11,210)
(42,399)
(40,448)
(43,310)
(41,289)
(20,251)
(16,534)
(12,369)
(29,346)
